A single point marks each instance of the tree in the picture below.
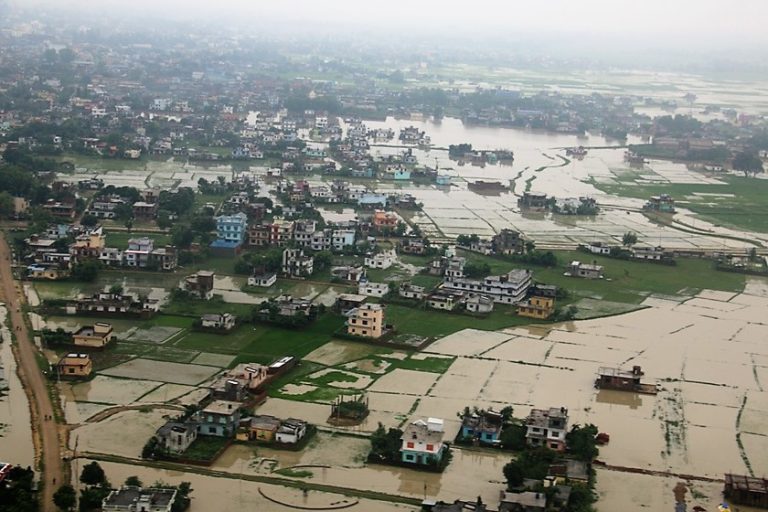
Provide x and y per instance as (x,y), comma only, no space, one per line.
(134,481)
(87,271)
(629,239)
(65,497)
(748,163)
(92,474)
(514,474)
(513,437)
(89,220)
(182,235)
(116,289)
(92,498)
(164,219)
(6,204)
(582,442)
(477,269)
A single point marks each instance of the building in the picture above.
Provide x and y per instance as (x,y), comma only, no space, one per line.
(342,238)
(60,210)
(135,499)
(533,201)
(263,428)
(346,302)
(74,365)
(598,248)
(349,274)
(382,260)
(113,304)
(139,252)
(411,291)
(585,270)
(199,285)
(220,418)
(663,203)
(528,501)
(623,380)
(236,384)
(366,321)
(536,307)
(297,264)
(291,431)
(50,272)
(144,210)
(509,288)
(370,289)
(445,300)
(264,280)
(480,304)
(97,335)
(384,221)
(483,427)
(176,437)
(746,490)
(422,442)
(547,428)
(221,321)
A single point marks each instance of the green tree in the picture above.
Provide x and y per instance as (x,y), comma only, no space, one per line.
(477,269)
(629,239)
(514,474)
(6,204)
(513,437)
(92,474)
(748,163)
(65,497)
(582,442)
(89,220)
(87,271)
(134,481)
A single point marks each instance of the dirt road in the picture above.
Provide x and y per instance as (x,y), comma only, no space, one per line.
(46,430)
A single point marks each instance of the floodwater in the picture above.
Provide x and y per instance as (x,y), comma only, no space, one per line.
(16,445)
(236,495)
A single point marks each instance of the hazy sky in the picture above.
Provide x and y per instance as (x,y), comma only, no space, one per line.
(734,22)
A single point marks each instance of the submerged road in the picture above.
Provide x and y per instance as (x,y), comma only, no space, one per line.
(46,431)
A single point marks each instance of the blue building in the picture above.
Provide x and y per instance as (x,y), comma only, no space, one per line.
(482,426)
(422,442)
(220,419)
(232,228)
(371,200)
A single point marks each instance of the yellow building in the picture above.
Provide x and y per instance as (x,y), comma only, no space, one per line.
(97,335)
(75,365)
(537,307)
(366,321)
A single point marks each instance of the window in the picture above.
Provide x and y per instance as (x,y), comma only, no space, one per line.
(553,446)
(409,444)
(211,430)
(430,447)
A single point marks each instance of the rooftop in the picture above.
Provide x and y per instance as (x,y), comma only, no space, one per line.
(222,407)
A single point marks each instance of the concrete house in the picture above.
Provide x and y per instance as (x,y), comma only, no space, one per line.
(222,321)
(508,288)
(547,427)
(382,260)
(585,270)
(370,289)
(263,428)
(297,264)
(200,284)
(536,307)
(176,437)
(220,418)
(411,291)
(366,321)
(477,303)
(264,280)
(97,335)
(445,300)
(422,442)
(136,499)
(74,365)
(291,431)
(483,427)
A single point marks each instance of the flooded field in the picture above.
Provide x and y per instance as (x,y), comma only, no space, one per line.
(236,495)
(176,373)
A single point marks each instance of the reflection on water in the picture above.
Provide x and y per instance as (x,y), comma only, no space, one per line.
(610,396)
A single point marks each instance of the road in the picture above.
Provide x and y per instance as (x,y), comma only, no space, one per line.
(46,430)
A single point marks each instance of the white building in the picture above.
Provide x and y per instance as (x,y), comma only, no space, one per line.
(135,499)
(262,280)
(224,321)
(508,288)
(382,260)
(370,289)
(291,431)
(477,303)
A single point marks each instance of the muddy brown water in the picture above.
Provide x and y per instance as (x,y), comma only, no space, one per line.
(16,445)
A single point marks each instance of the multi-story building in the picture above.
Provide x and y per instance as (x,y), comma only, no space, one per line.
(509,288)
(536,307)
(232,228)
(508,241)
(297,264)
(366,321)
(135,499)
(341,239)
(547,428)
(220,418)
(139,252)
(422,442)
(74,365)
